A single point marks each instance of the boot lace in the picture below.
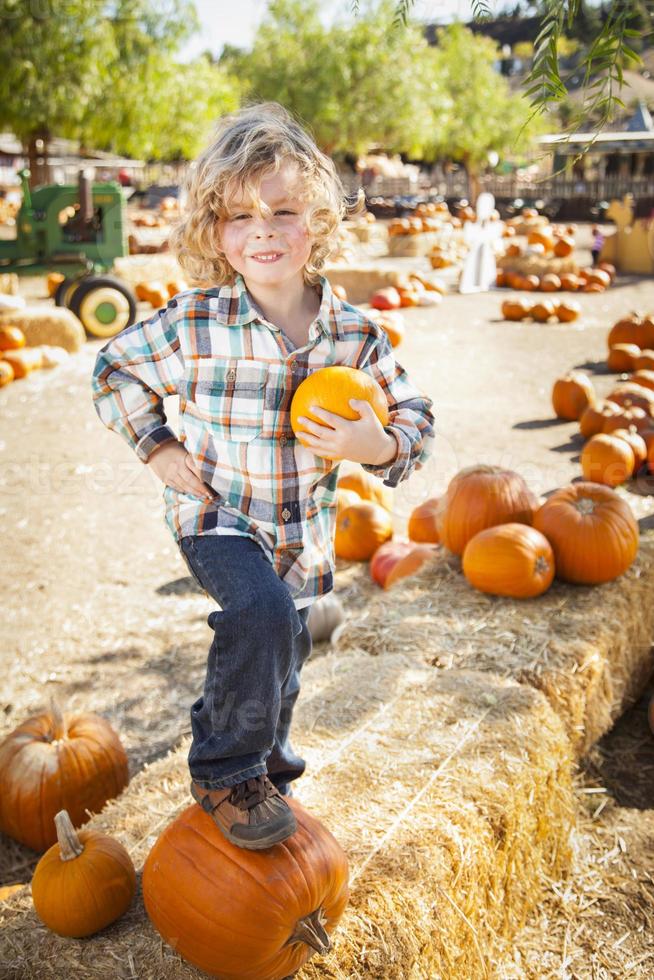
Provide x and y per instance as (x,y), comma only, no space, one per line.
(249,793)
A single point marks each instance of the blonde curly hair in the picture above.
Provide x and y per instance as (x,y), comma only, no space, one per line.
(253,142)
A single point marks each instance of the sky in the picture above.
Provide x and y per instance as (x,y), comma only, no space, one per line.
(236,21)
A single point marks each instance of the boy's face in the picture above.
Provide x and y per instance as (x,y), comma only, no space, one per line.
(271,250)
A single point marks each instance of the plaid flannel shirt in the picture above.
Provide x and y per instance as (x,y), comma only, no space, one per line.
(235,374)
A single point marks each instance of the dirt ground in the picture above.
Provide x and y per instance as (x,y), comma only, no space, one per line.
(99,610)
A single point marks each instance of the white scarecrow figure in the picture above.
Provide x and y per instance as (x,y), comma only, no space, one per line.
(479,271)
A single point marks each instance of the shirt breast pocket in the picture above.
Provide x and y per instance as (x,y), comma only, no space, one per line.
(229,396)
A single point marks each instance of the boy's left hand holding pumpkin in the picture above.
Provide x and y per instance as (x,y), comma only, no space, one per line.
(362,440)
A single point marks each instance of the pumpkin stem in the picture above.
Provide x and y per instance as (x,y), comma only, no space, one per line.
(585,505)
(311,931)
(70,846)
(59,729)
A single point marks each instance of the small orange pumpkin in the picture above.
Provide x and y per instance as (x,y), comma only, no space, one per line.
(636,442)
(594,417)
(367,486)
(567,311)
(632,329)
(360,529)
(550,283)
(83,882)
(332,388)
(509,560)
(622,357)
(423,522)
(564,246)
(607,460)
(541,236)
(393,324)
(515,309)
(11,338)
(570,282)
(543,311)
(572,395)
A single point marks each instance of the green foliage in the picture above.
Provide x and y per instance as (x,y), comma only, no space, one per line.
(104,72)
(613,36)
(484,114)
(354,84)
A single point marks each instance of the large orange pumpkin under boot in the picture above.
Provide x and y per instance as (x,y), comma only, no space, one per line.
(239,914)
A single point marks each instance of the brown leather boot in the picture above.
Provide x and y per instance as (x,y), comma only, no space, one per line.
(253,814)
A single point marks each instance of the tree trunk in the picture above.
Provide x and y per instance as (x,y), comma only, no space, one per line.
(37,152)
(472,178)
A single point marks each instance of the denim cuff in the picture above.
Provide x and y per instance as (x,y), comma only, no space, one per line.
(233,780)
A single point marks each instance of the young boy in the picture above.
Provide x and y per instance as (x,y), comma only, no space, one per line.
(250,507)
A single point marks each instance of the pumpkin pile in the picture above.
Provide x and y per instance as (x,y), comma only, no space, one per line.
(157,293)
(17,360)
(540,256)
(631,343)
(510,544)
(411,290)
(589,280)
(619,429)
(545,310)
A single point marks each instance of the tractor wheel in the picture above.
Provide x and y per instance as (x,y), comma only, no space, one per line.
(65,290)
(105,305)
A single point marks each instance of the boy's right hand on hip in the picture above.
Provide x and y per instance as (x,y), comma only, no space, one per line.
(173,464)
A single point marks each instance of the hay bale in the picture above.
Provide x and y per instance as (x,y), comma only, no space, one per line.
(450,791)
(419,244)
(52,325)
(361,281)
(367,231)
(538,265)
(588,649)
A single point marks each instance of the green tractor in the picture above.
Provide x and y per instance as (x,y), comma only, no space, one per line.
(77,231)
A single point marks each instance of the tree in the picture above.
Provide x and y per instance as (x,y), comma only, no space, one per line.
(353,84)
(611,35)
(104,73)
(485,115)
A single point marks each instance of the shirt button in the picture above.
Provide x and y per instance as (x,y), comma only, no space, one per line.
(283,440)
(231,375)
(286,514)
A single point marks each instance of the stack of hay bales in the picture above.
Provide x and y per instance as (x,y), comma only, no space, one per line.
(440,734)
(439,787)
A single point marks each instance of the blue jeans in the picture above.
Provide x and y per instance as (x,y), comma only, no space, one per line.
(241,723)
